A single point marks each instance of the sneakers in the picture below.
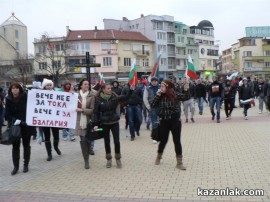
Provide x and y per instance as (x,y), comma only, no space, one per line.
(154,142)
(138,133)
(259,112)
(65,139)
(246,118)
(218,121)
(227,118)
(192,120)
(132,138)
(72,139)
(213,117)
(200,113)
(186,120)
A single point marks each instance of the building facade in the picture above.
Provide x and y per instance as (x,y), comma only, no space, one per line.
(161,30)
(114,50)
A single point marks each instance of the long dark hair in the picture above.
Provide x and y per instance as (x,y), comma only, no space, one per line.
(17,85)
(169,89)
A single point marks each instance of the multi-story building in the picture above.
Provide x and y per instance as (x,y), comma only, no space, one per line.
(115,50)
(207,49)
(184,43)
(227,65)
(160,29)
(15,32)
(50,53)
(14,63)
(251,56)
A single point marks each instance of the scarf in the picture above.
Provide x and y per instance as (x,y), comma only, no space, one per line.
(105,96)
(83,121)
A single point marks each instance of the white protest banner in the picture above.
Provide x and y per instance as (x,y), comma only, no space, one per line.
(51,109)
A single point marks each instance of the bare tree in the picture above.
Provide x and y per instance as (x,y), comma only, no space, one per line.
(50,56)
(21,72)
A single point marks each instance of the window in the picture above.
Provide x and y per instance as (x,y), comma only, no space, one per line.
(41,49)
(17,46)
(267,64)
(267,53)
(137,26)
(248,64)
(59,47)
(137,47)
(190,51)
(42,65)
(162,48)
(127,46)
(72,62)
(247,53)
(184,31)
(181,39)
(158,25)
(163,61)
(105,46)
(137,62)
(145,62)
(107,61)
(209,63)
(16,34)
(127,62)
(56,64)
(161,36)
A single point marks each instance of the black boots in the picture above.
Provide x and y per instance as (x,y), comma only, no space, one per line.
(48,146)
(15,159)
(55,146)
(26,154)
(85,153)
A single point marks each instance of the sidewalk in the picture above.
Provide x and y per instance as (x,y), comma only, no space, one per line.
(233,153)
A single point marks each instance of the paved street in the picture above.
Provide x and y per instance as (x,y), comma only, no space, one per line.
(232,154)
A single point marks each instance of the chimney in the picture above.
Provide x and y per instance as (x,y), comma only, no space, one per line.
(142,15)
(125,19)
(67,29)
(96,28)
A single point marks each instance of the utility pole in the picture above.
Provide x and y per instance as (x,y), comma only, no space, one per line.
(88,73)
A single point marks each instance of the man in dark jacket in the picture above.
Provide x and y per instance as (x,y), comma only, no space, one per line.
(201,94)
(259,92)
(134,109)
(116,88)
(216,94)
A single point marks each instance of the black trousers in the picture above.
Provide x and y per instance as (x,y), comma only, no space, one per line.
(229,105)
(174,125)
(47,134)
(115,132)
(26,138)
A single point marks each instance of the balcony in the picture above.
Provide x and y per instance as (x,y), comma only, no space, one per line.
(171,54)
(179,67)
(141,53)
(171,41)
(180,56)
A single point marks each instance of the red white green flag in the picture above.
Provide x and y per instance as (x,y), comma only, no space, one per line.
(191,72)
(155,70)
(101,79)
(132,77)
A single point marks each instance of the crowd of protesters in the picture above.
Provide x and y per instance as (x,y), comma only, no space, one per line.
(159,104)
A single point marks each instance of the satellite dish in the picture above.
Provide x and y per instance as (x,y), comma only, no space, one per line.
(116,41)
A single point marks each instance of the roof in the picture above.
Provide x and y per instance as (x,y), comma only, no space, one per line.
(13,20)
(205,24)
(109,34)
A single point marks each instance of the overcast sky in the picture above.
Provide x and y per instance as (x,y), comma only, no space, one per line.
(229,17)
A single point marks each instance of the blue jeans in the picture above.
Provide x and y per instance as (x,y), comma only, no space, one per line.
(67,132)
(134,119)
(154,117)
(217,101)
(200,104)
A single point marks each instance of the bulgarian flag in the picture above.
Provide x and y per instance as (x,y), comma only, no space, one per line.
(101,79)
(233,77)
(248,101)
(191,72)
(155,70)
(132,77)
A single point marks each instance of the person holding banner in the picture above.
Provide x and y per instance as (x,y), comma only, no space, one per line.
(16,102)
(48,85)
(86,103)
(106,115)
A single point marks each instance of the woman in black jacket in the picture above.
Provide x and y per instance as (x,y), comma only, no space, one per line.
(167,100)
(107,116)
(16,103)
(229,93)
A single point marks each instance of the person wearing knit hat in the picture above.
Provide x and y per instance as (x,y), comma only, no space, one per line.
(167,100)
(47,82)
(48,85)
(36,84)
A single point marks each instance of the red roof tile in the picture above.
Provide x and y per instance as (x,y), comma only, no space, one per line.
(75,35)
